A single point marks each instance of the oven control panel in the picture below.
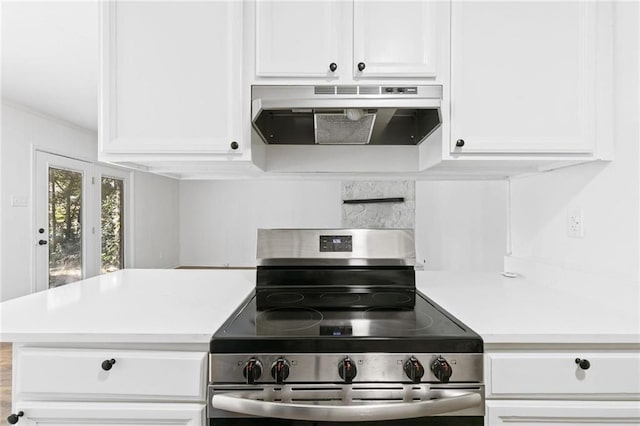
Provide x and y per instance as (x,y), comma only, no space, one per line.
(336,243)
(345,368)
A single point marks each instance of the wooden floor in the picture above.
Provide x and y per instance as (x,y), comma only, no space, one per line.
(5,380)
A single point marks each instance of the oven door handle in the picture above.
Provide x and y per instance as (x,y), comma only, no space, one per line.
(446,401)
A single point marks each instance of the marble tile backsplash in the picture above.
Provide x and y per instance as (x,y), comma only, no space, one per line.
(379,215)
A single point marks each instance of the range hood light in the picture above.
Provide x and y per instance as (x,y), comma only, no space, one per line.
(354,114)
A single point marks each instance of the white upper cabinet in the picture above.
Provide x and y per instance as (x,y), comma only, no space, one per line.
(523,77)
(346,40)
(171,77)
(394,39)
(298,39)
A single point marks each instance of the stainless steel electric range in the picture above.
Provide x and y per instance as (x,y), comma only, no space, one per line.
(336,333)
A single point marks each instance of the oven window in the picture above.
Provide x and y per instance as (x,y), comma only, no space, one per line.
(430,421)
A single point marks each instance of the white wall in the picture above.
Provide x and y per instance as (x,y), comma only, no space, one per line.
(155,198)
(218,219)
(607,193)
(459,225)
(156,227)
(20,130)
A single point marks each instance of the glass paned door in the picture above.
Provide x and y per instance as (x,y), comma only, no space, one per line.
(65,226)
(112,224)
(64,232)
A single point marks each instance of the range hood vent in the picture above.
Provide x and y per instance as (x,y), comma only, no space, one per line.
(345,115)
(324,90)
(339,129)
(346,90)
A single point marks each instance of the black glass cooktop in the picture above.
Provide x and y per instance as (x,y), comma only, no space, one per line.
(423,328)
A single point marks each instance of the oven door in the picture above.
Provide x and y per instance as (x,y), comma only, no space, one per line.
(430,421)
(338,404)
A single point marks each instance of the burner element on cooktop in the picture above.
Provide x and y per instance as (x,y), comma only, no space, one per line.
(398,319)
(391,298)
(288,318)
(284,298)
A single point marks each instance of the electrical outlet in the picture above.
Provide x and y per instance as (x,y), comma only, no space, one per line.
(575,224)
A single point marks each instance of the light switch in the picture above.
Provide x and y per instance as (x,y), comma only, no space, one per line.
(19,201)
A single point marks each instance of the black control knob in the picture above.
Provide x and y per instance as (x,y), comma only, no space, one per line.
(460,143)
(280,370)
(361,66)
(414,369)
(42,242)
(13,418)
(107,364)
(441,369)
(583,363)
(347,370)
(234,145)
(333,66)
(252,371)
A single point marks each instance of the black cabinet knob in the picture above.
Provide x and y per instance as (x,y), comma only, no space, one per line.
(361,66)
(280,370)
(107,364)
(441,369)
(234,145)
(333,66)
(41,231)
(413,369)
(583,363)
(252,371)
(42,242)
(460,143)
(13,418)
(347,370)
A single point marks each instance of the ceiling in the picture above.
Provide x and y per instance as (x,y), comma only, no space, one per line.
(50,58)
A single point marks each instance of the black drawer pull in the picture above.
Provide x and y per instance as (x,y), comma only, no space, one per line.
(13,418)
(107,364)
(583,363)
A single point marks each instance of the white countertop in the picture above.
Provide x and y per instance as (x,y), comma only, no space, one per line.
(129,306)
(188,306)
(515,310)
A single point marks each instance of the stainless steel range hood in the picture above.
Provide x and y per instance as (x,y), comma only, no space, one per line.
(345,115)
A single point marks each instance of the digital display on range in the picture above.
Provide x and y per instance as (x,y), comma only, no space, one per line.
(336,330)
(335,243)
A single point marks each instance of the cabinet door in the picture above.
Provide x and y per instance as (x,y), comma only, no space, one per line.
(562,413)
(394,38)
(556,373)
(64,374)
(299,39)
(523,77)
(171,77)
(109,414)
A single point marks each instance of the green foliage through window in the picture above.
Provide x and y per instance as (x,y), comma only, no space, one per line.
(65,226)
(112,223)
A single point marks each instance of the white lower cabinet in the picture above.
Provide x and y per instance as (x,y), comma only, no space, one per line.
(552,413)
(108,413)
(529,375)
(109,386)
(562,387)
(64,374)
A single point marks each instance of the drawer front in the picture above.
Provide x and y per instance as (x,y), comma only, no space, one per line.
(539,374)
(77,374)
(110,414)
(562,413)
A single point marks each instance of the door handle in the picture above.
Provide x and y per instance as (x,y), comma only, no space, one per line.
(444,401)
